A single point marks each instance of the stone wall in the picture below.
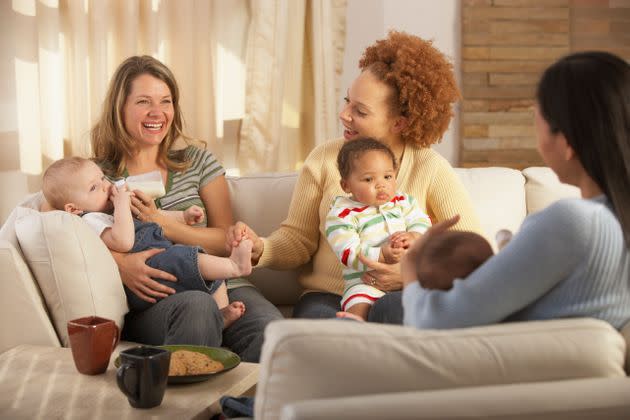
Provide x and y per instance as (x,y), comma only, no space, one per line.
(506,44)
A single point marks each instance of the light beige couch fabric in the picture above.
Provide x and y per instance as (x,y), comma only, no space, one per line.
(344,358)
(543,188)
(539,352)
(597,398)
(74,269)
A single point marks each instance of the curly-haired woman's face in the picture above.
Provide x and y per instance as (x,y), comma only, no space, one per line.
(366,113)
(148,110)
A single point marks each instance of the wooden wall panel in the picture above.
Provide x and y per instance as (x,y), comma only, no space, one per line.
(506,44)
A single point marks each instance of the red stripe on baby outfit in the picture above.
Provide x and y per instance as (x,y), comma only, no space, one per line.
(346,212)
(344,257)
(358,295)
(397,198)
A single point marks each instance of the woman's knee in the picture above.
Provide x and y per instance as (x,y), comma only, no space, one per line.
(194,318)
(387,309)
(317,305)
(193,303)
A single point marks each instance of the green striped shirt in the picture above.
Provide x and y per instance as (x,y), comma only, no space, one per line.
(182,188)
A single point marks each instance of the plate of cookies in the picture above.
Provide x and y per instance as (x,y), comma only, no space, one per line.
(196,363)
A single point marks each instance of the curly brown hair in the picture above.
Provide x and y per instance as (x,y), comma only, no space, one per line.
(422,81)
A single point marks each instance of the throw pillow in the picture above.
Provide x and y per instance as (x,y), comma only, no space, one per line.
(74,269)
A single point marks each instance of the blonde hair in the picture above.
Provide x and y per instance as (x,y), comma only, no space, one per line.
(111,143)
(57,181)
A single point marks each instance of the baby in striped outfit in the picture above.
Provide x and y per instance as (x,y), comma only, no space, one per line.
(375,221)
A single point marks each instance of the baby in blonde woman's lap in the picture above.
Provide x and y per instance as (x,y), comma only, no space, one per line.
(78,186)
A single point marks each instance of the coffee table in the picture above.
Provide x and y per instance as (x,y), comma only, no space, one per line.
(42,382)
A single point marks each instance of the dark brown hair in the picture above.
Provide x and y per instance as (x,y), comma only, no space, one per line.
(422,81)
(354,149)
(450,255)
(586,97)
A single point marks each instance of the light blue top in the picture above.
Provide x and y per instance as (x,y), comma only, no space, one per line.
(568,260)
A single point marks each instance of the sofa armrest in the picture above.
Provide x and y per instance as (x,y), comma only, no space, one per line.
(21,304)
(306,359)
(595,399)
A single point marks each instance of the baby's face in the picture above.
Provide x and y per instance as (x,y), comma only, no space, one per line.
(91,190)
(372,180)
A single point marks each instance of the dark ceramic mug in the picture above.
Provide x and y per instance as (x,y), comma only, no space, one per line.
(92,340)
(143,374)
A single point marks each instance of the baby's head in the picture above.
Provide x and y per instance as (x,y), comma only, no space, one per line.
(368,171)
(76,185)
(450,255)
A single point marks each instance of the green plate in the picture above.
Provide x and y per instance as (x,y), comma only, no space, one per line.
(227,358)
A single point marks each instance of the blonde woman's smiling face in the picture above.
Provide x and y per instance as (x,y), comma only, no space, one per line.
(148,111)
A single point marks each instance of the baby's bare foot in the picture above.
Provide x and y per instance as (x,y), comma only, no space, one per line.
(242,257)
(232,312)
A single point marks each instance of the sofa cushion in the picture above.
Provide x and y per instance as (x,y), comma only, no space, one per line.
(262,201)
(344,358)
(498,197)
(543,188)
(73,268)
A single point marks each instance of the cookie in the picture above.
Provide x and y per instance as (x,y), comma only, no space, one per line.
(184,362)
(177,367)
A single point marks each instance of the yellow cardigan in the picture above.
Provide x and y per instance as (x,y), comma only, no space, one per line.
(423,174)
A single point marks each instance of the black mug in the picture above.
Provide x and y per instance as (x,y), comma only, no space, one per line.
(143,374)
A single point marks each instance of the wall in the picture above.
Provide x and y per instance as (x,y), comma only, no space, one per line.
(507,44)
(369,20)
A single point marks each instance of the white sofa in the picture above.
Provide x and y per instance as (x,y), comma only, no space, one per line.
(336,369)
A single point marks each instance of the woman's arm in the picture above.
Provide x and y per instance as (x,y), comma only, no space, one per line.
(535,261)
(215,197)
(297,239)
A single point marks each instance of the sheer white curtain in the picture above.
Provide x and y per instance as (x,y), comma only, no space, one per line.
(65,52)
(293,61)
(58,57)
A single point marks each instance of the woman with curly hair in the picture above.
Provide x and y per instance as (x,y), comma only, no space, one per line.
(403,98)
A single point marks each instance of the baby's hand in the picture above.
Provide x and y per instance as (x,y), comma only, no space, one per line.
(391,254)
(193,215)
(403,239)
(120,196)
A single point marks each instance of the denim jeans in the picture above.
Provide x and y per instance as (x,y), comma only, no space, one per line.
(179,260)
(193,317)
(386,310)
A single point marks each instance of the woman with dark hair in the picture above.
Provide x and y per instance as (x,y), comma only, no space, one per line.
(571,259)
(402,98)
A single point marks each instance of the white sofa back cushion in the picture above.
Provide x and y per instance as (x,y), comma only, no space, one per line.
(543,188)
(72,266)
(262,201)
(498,196)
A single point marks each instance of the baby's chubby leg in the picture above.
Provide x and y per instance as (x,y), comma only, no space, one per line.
(238,264)
(358,312)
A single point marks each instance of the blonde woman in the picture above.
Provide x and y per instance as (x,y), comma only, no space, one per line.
(136,134)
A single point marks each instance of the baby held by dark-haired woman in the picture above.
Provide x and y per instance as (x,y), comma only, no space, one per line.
(453,255)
